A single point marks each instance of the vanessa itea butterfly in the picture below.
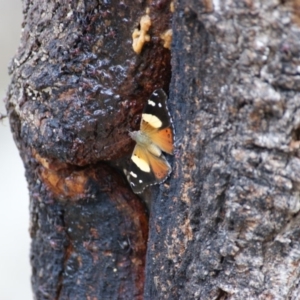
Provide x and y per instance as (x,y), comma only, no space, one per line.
(148,164)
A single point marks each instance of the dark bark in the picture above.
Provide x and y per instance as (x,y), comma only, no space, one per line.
(77,88)
(226,223)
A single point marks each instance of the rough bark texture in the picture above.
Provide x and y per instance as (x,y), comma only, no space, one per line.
(228,225)
(77,88)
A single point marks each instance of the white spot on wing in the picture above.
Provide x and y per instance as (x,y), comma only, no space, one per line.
(140,181)
(133,174)
(150,102)
(140,163)
(159,104)
(152,120)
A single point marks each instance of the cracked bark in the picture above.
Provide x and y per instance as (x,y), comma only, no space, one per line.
(226,223)
(228,228)
(77,88)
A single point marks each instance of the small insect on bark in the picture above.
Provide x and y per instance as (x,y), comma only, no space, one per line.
(148,164)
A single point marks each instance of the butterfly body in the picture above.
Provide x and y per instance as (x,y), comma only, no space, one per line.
(148,164)
(143,140)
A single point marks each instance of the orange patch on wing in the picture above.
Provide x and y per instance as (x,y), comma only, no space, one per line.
(140,158)
(163,139)
(140,153)
(147,128)
(160,167)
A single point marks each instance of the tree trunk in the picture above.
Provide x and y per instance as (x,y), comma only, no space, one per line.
(225,225)
(77,88)
(228,228)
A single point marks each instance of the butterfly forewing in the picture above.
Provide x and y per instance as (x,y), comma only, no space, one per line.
(149,166)
(156,122)
(157,109)
(140,175)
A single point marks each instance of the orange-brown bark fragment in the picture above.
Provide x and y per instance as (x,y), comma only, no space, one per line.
(62,180)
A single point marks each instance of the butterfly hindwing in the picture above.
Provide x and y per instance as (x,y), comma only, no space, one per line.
(160,167)
(147,169)
(140,174)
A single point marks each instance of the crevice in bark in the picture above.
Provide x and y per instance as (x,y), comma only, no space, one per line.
(223,295)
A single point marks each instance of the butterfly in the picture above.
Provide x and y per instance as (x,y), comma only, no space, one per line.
(148,164)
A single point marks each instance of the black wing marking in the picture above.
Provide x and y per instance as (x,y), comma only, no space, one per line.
(159,171)
(139,179)
(157,106)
